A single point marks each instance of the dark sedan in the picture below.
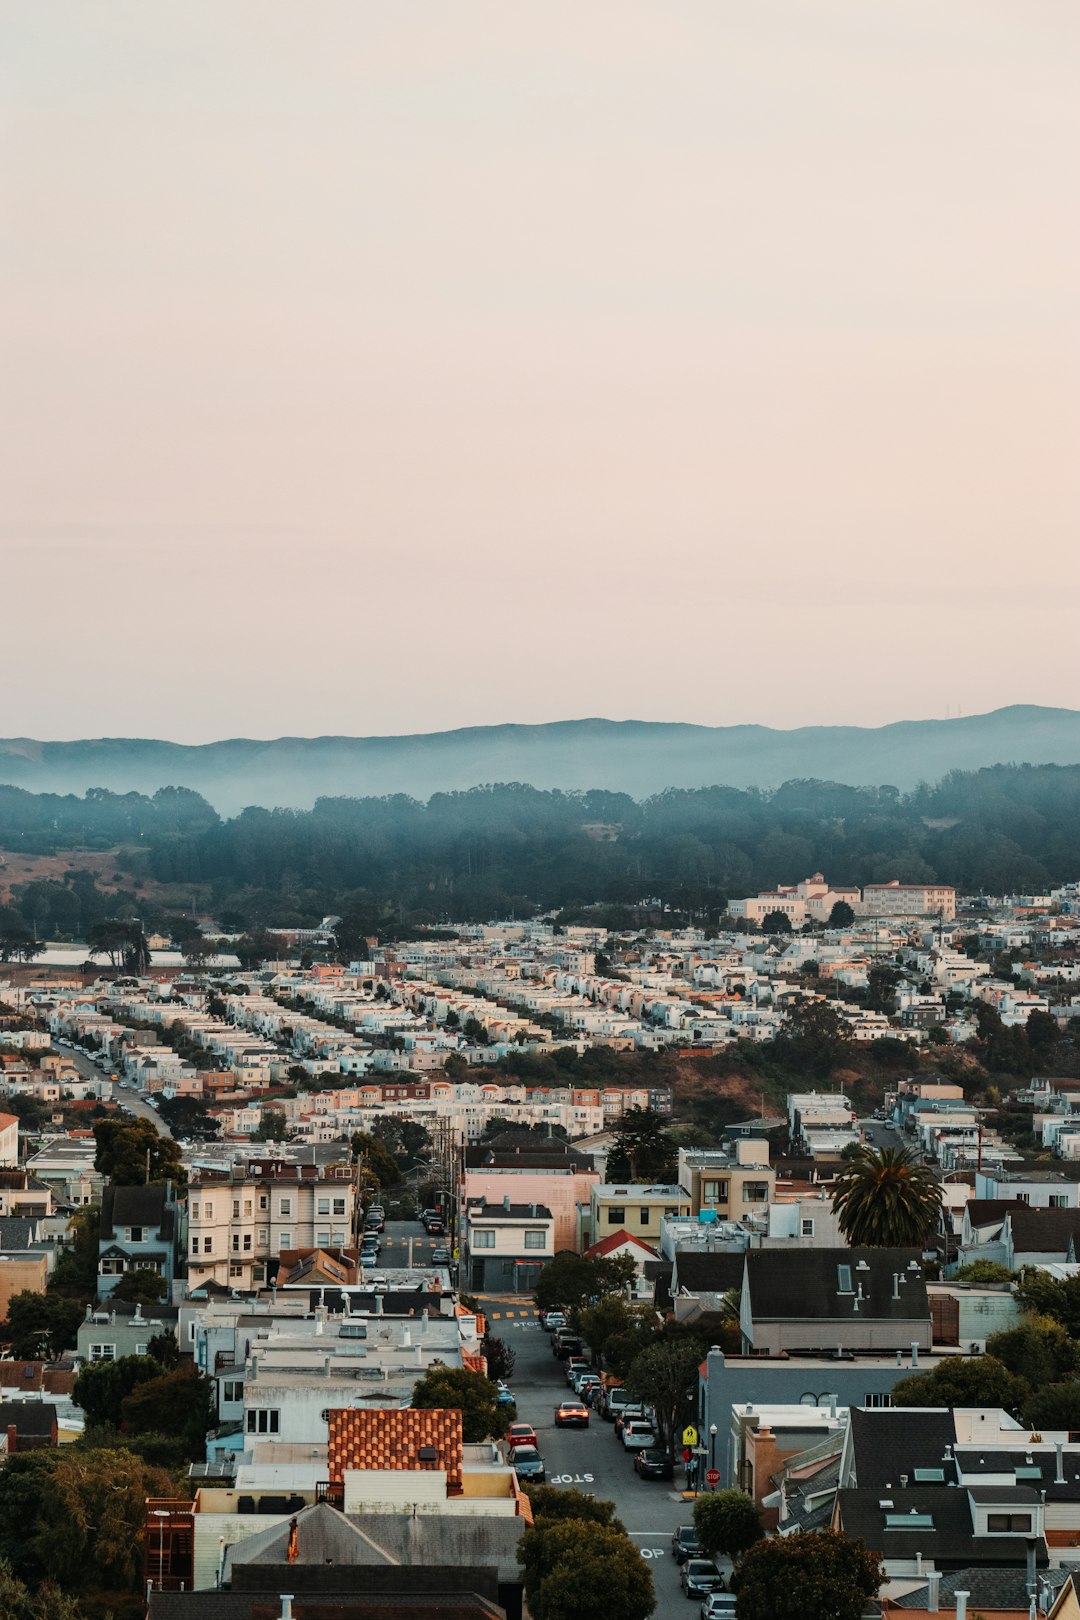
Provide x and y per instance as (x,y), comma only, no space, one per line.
(653,1464)
(529,1465)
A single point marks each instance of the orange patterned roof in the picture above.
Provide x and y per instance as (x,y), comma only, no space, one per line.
(477,1364)
(385,1438)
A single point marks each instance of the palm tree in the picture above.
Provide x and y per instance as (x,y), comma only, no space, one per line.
(886,1200)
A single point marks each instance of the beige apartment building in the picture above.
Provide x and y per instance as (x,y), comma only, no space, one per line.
(240,1220)
(908,900)
(730,1185)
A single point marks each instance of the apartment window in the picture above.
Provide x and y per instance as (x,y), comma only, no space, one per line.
(194,1245)
(714,1192)
(264,1202)
(103,1352)
(643,1216)
(247,1242)
(1059,1200)
(134,1234)
(233,1390)
(1009,1523)
(236,1209)
(264,1420)
(323,1207)
(806,1227)
(616,1217)
(285,1240)
(483,1237)
(247,1206)
(756,1192)
(339,1206)
(263,1236)
(285,1206)
(236,1270)
(208,1245)
(194,1212)
(236,1243)
(339,1239)
(208,1211)
(875,1398)
(140,1349)
(322,1240)
(535,1240)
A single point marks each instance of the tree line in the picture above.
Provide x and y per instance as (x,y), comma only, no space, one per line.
(513,848)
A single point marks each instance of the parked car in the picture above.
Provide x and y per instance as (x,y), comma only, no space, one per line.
(700,1576)
(505,1395)
(565,1345)
(574,1366)
(584,1381)
(528,1464)
(616,1398)
(638,1436)
(550,1320)
(440,1257)
(652,1463)
(435,1227)
(718,1606)
(685,1543)
(521,1434)
(629,1414)
(571,1414)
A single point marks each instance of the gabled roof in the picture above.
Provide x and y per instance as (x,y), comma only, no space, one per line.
(952,1538)
(16,1232)
(986,1588)
(805,1284)
(1043,1231)
(135,1206)
(619,1240)
(888,1442)
(393,1438)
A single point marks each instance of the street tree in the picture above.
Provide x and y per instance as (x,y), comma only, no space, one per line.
(575,1280)
(550,1502)
(376,1157)
(728,1523)
(576,1569)
(886,1200)
(501,1360)
(615,1330)
(141,1286)
(470,1393)
(664,1376)
(819,1575)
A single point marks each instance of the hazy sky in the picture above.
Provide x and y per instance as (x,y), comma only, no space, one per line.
(387,367)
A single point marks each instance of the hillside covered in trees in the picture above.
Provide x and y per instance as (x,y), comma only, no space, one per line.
(516,849)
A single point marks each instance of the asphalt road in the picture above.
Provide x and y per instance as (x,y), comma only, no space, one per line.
(592,1459)
(878,1136)
(119,1094)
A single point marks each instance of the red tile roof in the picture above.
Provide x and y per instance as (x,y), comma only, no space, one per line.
(386,1438)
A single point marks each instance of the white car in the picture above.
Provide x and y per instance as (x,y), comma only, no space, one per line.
(637,1435)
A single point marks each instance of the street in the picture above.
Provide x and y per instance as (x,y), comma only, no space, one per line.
(592,1459)
(118,1093)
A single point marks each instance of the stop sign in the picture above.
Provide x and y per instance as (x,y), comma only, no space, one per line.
(712,1476)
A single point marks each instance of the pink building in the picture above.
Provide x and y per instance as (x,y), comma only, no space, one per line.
(529,1169)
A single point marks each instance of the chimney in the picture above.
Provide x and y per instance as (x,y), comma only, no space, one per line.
(903,1482)
(914,1352)
(286,1606)
(918,1563)
(961,1604)
(506,1203)
(1031,1565)
(1059,1476)
(326,1366)
(933,1583)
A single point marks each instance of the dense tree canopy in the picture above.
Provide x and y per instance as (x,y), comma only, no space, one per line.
(468,1392)
(379,860)
(819,1575)
(131,1153)
(577,1569)
(728,1523)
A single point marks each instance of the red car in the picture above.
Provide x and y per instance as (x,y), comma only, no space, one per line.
(521,1434)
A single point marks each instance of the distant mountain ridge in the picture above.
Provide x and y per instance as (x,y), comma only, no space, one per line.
(639,757)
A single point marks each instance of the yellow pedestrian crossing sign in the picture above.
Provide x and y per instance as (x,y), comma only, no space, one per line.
(690,1435)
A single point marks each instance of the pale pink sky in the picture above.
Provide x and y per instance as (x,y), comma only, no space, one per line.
(375,368)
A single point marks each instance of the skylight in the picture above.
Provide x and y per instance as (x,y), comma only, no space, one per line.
(909,1521)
